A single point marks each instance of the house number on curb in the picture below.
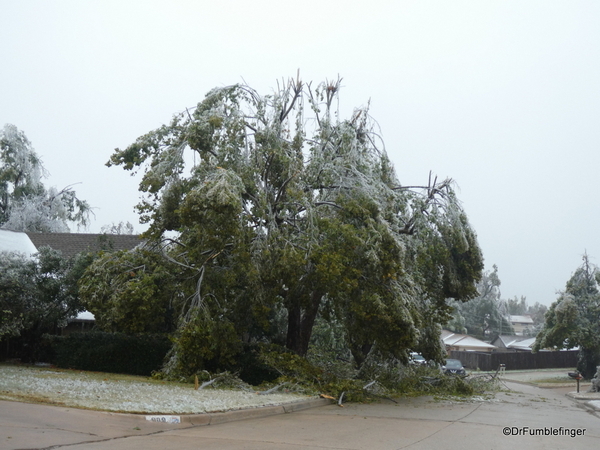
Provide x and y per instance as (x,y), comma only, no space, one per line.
(164,419)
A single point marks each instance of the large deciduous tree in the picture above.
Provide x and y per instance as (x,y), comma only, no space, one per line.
(573,320)
(276,205)
(25,203)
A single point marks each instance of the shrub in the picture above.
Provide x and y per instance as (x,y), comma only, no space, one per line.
(109,352)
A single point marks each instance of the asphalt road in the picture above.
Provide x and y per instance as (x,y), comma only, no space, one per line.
(420,423)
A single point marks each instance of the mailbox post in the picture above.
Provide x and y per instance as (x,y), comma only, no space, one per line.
(578,378)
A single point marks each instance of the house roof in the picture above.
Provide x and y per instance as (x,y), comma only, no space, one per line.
(70,244)
(521,319)
(16,241)
(525,344)
(516,342)
(463,340)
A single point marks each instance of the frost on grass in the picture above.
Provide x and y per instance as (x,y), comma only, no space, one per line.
(83,391)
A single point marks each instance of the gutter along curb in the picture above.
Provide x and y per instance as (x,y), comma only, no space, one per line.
(215,418)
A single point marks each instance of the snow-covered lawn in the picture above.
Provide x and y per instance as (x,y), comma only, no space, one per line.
(125,394)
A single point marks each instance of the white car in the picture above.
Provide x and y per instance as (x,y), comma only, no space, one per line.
(417,358)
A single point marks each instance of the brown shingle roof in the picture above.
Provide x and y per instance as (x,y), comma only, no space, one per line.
(71,244)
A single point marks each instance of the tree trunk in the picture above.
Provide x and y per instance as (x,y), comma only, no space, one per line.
(360,353)
(300,324)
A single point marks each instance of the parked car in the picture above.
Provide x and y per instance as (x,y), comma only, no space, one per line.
(417,359)
(454,367)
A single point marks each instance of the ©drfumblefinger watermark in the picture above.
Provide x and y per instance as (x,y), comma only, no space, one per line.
(545,431)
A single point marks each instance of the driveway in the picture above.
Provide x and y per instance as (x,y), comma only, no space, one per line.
(419,423)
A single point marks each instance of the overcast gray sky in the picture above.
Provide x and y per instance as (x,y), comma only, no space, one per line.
(501,96)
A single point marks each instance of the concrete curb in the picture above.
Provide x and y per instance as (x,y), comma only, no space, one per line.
(594,404)
(593,399)
(247,413)
(584,395)
(539,385)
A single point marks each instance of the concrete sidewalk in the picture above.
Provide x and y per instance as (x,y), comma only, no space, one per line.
(417,423)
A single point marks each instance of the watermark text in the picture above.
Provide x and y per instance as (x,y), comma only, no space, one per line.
(544,431)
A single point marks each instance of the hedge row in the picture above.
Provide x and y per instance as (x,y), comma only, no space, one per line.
(109,352)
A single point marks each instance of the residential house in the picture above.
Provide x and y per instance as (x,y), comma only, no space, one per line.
(522,325)
(462,342)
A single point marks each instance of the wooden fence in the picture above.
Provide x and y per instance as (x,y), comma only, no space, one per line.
(517,360)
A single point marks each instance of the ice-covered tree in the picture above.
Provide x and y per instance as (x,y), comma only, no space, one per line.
(119,228)
(538,314)
(573,320)
(485,314)
(25,203)
(517,307)
(288,208)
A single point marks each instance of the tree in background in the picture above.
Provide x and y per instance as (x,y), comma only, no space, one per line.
(291,210)
(486,314)
(25,203)
(573,320)
(517,307)
(538,314)
(120,228)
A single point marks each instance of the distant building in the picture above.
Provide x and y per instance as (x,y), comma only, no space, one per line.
(522,325)
(513,343)
(463,342)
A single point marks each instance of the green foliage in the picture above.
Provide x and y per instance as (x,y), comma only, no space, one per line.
(109,352)
(572,320)
(251,367)
(378,377)
(202,344)
(308,376)
(131,292)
